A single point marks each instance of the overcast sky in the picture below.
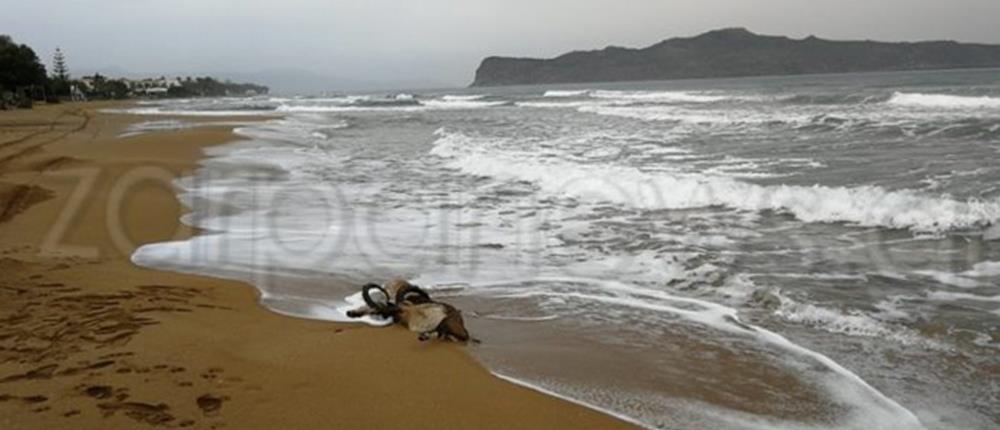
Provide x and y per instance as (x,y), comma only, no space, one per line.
(437,42)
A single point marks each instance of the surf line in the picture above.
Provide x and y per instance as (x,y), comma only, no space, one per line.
(890,413)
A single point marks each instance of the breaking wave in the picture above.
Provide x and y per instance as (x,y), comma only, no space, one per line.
(659,96)
(641,96)
(864,206)
(452,103)
(943,101)
(459,98)
(565,93)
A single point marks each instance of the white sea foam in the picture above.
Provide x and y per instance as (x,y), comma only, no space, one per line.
(321,310)
(866,206)
(947,296)
(659,96)
(464,97)
(946,101)
(851,323)
(422,105)
(707,117)
(349,108)
(641,96)
(155,126)
(178,112)
(984,269)
(565,93)
(562,104)
(949,278)
(461,103)
(870,408)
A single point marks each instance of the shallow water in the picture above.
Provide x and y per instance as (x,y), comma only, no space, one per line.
(807,252)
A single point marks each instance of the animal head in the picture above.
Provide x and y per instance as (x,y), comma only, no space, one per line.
(378,300)
(394,286)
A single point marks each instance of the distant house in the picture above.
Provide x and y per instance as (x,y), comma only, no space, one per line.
(155,91)
(87,82)
(152,87)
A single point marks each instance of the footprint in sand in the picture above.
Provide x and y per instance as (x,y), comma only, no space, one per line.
(99,391)
(156,415)
(211,404)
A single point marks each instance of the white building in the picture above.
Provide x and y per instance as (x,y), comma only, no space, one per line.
(152,86)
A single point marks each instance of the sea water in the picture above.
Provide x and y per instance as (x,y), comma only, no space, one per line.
(786,252)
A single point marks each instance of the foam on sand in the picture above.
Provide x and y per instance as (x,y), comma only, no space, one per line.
(868,408)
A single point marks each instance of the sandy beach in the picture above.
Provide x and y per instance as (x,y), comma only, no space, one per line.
(88,340)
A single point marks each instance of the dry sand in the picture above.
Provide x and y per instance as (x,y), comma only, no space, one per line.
(90,341)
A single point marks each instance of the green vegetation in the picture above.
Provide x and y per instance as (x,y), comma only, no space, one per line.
(22,76)
(23,79)
(102,88)
(210,87)
(60,81)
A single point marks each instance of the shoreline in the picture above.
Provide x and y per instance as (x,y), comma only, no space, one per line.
(93,341)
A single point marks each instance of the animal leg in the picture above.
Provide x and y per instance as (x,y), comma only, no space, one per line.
(360,312)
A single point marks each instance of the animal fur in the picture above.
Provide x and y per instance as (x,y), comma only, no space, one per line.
(413,308)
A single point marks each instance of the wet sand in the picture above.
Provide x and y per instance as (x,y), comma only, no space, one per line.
(90,341)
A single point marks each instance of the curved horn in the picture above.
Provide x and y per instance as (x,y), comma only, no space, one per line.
(412,289)
(368,298)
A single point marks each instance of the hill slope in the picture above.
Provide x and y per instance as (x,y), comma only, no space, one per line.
(734,52)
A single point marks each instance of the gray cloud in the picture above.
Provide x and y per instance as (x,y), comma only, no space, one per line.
(435,42)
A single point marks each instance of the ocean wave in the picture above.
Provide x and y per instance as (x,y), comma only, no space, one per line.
(565,93)
(947,296)
(562,104)
(984,269)
(462,103)
(462,98)
(398,100)
(833,99)
(641,96)
(394,103)
(946,101)
(871,408)
(863,206)
(659,96)
(155,126)
(851,323)
(181,112)
(695,116)
(949,278)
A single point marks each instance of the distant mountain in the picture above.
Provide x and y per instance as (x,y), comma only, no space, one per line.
(734,52)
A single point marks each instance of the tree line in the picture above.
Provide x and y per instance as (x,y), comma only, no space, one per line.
(22,76)
(24,80)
